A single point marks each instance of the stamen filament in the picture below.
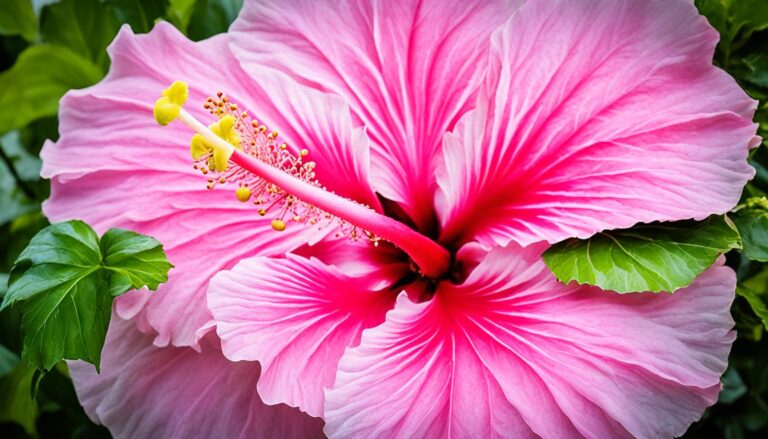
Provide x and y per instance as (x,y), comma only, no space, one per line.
(433,259)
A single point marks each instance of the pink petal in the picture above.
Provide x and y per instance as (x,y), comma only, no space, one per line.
(115,167)
(596,115)
(144,391)
(408,70)
(296,316)
(511,352)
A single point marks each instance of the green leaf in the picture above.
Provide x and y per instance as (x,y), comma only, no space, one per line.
(748,16)
(211,17)
(715,12)
(754,290)
(13,200)
(752,222)
(758,67)
(17,17)
(733,387)
(33,86)
(756,302)
(652,257)
(730,17)
(65,282)
(180,12)
(20,187)
(135,261)
(140,14)
(19,232)
(8,361)
(85,26)
(3,284)
(16,402)
(26,165)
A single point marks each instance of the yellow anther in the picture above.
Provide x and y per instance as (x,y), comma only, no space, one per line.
(278,225)
(304,152)
(262,212)
(168,107)
(243,193)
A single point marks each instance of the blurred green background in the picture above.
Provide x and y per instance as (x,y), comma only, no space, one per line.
(50,46)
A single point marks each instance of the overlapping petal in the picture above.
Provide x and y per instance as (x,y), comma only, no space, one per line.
(513,353)
(408,69)
(595,115)
(296,316)
(145,391)
(115,167)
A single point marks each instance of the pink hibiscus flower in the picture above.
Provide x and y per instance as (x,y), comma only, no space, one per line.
(461,137)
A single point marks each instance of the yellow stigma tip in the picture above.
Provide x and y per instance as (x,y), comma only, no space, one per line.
(278,225)
(168,107)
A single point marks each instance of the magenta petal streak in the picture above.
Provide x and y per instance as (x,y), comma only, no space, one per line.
(511,352)
(595,115)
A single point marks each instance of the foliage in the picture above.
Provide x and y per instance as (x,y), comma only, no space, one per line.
(50,46)
(65,281)
(752,221)
(656,257)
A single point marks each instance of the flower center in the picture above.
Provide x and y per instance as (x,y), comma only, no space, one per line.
(237,150)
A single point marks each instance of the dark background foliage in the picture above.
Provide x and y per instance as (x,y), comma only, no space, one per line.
(50,46)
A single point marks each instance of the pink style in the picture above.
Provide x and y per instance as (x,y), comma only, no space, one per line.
(394,287)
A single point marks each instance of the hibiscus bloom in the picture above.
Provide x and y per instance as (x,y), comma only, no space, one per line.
(389,280)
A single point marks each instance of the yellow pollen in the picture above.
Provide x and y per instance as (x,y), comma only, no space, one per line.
(243,193)
(262,212)
(278,225)
(304,152)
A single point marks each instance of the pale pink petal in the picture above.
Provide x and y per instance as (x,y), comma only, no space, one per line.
(596,115)
(511,352)
(115,167)
(296,316)
(408,69)
(144,392)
